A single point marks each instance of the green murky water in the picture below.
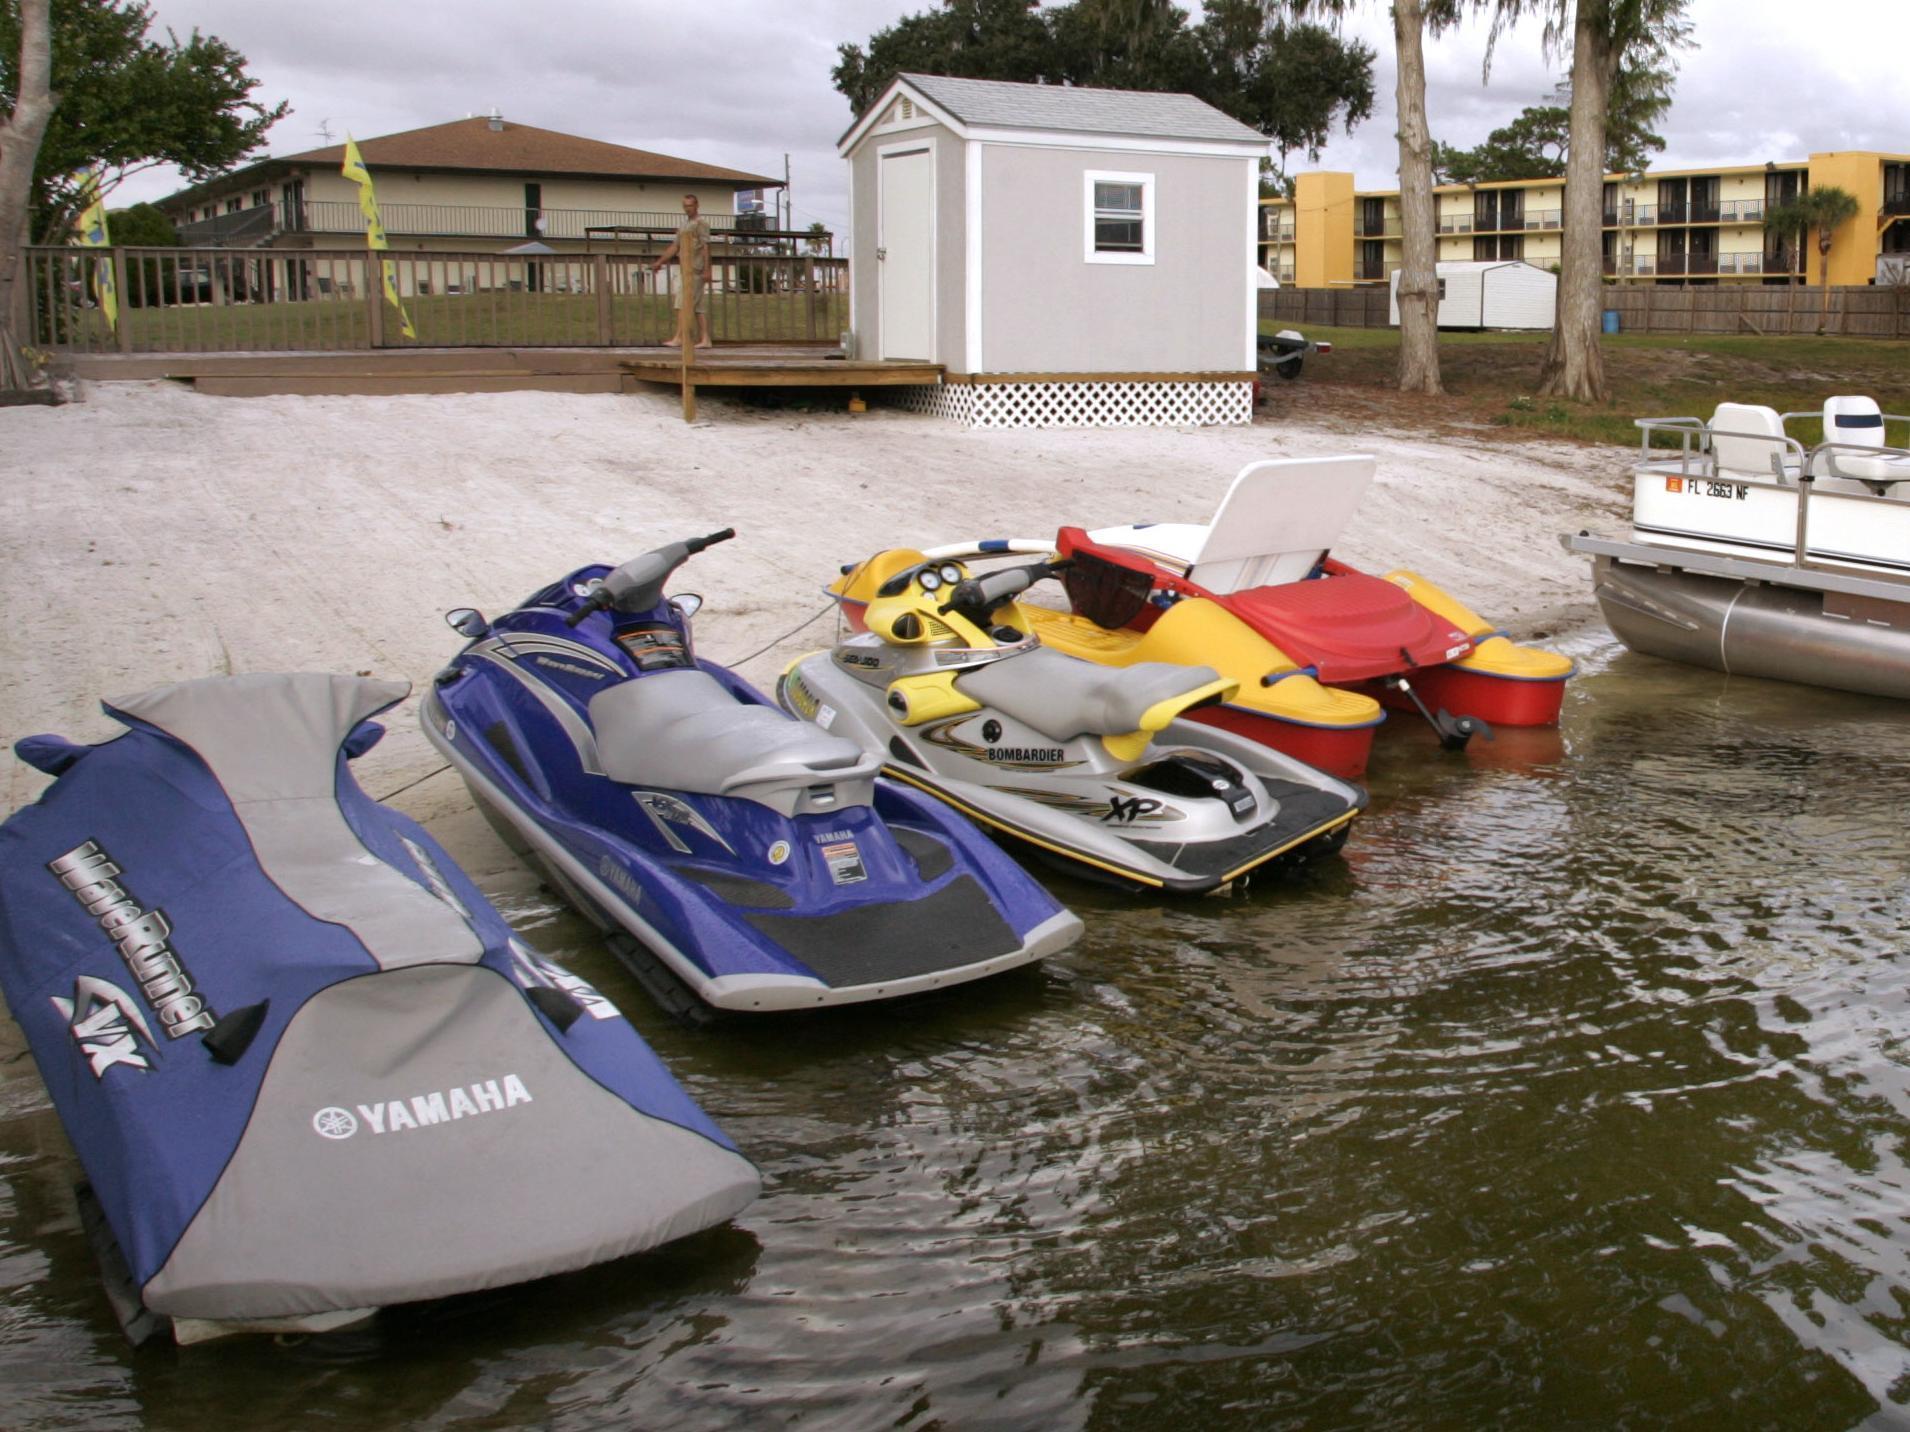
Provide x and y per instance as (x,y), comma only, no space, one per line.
(1574,1093)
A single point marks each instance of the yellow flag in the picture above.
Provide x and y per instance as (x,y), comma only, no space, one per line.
(93,235)
(354,169)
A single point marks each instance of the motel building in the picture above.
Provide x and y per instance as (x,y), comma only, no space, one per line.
(1677,226)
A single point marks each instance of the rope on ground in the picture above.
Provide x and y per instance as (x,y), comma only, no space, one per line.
(744,661)
(409,784)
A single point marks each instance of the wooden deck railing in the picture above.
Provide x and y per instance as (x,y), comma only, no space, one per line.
(284,300)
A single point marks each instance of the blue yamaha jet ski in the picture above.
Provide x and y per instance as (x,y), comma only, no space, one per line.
(307,1068)
(734,855)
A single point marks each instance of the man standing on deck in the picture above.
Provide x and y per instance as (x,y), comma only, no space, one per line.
(692,242)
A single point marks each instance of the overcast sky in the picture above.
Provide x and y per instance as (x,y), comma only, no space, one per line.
(742,82)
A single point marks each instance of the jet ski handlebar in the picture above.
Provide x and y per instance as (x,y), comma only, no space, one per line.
(979,596)
(637,585)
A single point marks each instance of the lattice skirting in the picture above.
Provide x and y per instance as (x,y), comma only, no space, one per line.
(1081,405)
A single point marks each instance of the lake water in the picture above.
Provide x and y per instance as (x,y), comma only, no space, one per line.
(1573,1093)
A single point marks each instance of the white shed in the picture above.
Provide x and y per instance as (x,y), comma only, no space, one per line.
(1070,256)
(1484,293)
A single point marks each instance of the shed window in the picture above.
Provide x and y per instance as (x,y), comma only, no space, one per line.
(1118,214)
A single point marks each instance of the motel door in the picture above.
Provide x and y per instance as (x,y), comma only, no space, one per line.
(905,252)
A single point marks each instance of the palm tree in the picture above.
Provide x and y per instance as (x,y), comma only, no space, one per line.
(1825,210)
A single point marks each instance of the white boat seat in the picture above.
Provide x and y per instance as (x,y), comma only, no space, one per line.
(684,731)
(1745,438)
(1856,422)
(1278,519)
(1063,697)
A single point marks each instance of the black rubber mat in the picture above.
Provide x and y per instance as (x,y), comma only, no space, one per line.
(738,889)
(931,857)
(957,925)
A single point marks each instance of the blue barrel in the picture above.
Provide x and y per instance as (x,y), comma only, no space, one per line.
(1609,321)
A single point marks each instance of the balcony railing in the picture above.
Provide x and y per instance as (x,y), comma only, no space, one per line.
(463,221)
(1896,203)
(1741,211)
(1276,234)
(480,221)
(1706,213)
(1455,224)
(1673,265)
(1544,219)
(1387,228)
(1374,271)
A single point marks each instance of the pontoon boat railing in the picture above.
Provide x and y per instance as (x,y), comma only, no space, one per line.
(1689,429)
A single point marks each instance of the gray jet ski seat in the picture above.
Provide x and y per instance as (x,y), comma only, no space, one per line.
(1063,697)
(684,731)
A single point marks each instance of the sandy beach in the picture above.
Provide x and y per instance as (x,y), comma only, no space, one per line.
(151,534)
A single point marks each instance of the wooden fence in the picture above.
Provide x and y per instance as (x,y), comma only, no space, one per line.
(304,300)
(1855,312)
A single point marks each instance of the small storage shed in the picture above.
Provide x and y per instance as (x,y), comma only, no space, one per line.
(1072,257)
(1486,293)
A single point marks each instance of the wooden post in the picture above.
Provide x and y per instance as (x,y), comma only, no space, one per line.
(600,284)
(123,326)
(685,378)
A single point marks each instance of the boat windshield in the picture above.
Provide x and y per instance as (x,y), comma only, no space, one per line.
(1107,594)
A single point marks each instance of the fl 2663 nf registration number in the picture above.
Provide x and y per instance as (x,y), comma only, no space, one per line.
(1704,487)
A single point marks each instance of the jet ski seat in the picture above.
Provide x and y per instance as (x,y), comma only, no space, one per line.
(1063,697)
(685,731)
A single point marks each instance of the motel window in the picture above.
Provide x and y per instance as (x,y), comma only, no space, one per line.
(1118,217)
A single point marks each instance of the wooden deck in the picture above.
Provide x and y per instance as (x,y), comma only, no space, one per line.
(502,370)
(775,366)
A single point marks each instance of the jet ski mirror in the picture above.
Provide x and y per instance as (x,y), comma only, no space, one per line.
(467,622)
(687,604)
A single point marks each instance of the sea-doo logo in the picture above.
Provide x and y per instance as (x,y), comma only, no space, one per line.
(1125,810)
(1027,755)
(140,936)
(106,1025)
(395,1116)
(856,658)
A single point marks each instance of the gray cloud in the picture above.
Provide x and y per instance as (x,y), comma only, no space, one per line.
(741,82)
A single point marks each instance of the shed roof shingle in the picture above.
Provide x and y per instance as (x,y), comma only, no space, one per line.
(1006,104)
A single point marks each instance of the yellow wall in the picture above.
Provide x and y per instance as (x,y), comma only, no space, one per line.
(1323,229)
(1853,245)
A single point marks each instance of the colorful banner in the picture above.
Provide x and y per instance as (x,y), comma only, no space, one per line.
(93,235)
(354,169)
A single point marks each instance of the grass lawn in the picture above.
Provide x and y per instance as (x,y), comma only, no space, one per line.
(1490,377)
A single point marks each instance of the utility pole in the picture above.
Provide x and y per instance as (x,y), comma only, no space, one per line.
(789,205)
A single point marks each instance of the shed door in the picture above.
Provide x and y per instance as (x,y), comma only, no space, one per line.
(906,253)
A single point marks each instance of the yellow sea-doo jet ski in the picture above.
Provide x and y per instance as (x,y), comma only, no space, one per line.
(1090,765)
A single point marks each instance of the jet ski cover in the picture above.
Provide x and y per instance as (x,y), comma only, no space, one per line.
(305,1063)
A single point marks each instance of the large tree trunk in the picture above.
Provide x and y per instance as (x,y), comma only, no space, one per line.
(20,137)
(1574,364)
(1418,279)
